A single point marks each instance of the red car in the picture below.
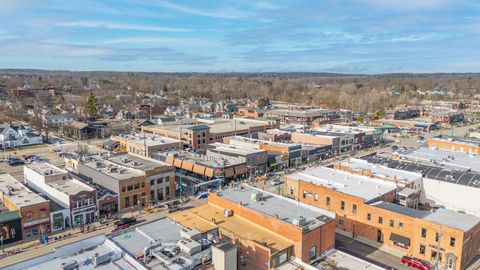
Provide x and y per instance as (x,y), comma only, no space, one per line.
(416,263)
(120,227)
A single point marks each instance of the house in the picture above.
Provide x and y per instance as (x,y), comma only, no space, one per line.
(83,131)
(17,136)
(59,119)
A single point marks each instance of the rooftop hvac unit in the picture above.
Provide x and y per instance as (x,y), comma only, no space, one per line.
(227,212)
(257,196)
(101,259)
(301,221)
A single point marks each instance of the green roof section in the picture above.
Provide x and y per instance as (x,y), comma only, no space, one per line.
(10,215)
(198,127)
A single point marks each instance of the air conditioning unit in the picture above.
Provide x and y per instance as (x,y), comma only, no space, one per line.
(257,196)
(227,212)
(301,221)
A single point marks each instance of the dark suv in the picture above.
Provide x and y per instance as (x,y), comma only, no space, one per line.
(125,221)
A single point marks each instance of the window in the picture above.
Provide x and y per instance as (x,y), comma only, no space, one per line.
(43,212)
(123,189)
(327,201)
(127,201)
(400,226)
(316,197)
(452,241)
(143,194)
(29,215)
(159,180)
(438,236)
(380,220)
(424,233)
(392,223)
(152,182)
(304,194)
(436,255)
(369,216)
(354,209)
(313,252)
(422,249)
(142,184)
(130,187)
(342,205)
(136,186)
(135,199)
(341,221)
(152,194)
(77,204)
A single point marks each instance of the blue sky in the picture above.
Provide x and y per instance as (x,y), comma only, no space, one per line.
(346,36)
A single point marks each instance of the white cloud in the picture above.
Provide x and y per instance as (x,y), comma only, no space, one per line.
(407,4)
(267,5)
(119,26)
(229,13)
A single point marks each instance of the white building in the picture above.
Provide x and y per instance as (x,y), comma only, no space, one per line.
(17,136)
(67,192)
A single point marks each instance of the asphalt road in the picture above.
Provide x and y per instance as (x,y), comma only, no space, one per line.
(368,253)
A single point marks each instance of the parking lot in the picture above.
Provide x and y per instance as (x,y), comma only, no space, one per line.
(47,152)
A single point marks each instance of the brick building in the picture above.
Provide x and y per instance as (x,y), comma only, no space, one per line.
(267,228)
(365,208)
(74,195)
(146,144)
(33,208)
(136,179)
(457,144)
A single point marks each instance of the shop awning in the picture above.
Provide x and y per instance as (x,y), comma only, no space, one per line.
(400,239)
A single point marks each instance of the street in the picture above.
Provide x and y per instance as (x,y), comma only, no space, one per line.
(368,253)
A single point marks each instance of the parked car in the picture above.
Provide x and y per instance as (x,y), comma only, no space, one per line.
(15,162)
(416,263)
(202,196)
(275,182)
(123,221)
(394,147)
(121,227)
(173,208)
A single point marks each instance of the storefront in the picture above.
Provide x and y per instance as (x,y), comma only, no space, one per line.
(83,216)
(60,219)
(36,227)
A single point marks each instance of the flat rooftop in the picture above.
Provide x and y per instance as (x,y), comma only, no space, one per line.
(197,218)
(110,168)
(353,184)
(123,166)
(17,193)
(70,186)
(440,216)
(137,162)
(274,205)
(217,125)
(457,160)
(470,141)
(381,171)
(83,252)
(258,142)
(147,139)
(302,113)
(45,168)
(233,149)
(134,240)
(470,179)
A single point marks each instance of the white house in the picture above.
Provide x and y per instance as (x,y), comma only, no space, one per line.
(17,136)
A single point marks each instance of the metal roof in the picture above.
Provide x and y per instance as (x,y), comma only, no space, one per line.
(471,179)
